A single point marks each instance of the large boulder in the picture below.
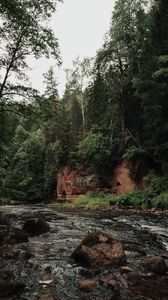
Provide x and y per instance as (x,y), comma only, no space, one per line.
(99,249)
(156,265)
(36,227)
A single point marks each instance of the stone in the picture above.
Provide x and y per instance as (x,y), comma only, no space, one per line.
(114,281)
(9,285)
(11,253)
(156,265)
(125,269)
(18,236)
(36,227)
(98,249)
(49,296)
(87,284)
(133,277)
(89,273)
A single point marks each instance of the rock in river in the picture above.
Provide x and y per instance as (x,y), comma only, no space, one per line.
(156,265)
(99,249)
(8,285)
(36,227)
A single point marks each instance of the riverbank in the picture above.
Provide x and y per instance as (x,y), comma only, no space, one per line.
(69,207)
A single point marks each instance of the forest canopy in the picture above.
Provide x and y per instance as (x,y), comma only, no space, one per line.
(114,106)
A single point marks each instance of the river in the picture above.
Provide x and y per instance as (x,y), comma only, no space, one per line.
(51,270)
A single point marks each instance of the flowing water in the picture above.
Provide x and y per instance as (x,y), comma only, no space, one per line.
(51,268)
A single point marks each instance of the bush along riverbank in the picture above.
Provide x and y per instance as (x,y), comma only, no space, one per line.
(155,198)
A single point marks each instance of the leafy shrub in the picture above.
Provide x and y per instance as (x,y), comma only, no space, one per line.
(161,201)
(93,195)
(135,198)
(133,153)
(158,185)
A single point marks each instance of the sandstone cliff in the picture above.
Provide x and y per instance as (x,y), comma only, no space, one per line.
(72,182)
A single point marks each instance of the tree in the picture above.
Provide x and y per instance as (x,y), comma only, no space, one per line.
(77,80)
(120,61)
(22,35)
(24,174)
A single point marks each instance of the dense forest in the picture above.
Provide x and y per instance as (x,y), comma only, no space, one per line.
(114,106)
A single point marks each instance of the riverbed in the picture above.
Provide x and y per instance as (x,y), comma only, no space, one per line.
(51,272)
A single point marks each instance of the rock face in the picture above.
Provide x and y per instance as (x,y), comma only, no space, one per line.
(99,249)
(74,182)
(121,180)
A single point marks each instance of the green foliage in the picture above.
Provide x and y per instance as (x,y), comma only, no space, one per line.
(160,201)
(135,198)
(95,150)
(51,166)
(133,154)
(158,185)
(25,173)
(24,31)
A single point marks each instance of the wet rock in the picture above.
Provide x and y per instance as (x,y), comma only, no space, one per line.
(156,264)
(8,285)
(18,236)
(125,269)
(49,296)
(13,236)
(116,281)
(153,289)
(36,227)
(11,253)
(99,249)
(87,285)
(133,278)
(89,273)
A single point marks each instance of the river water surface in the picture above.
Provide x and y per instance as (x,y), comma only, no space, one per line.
(51,269)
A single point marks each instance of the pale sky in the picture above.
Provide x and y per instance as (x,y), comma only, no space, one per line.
(80,26)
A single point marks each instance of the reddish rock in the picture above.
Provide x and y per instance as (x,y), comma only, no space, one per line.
(75,182)
(49,296)
(156,264)
(99,249)
(72,182)
(121,181)
(87,285)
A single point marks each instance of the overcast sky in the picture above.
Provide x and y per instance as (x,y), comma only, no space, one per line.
(80,26)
